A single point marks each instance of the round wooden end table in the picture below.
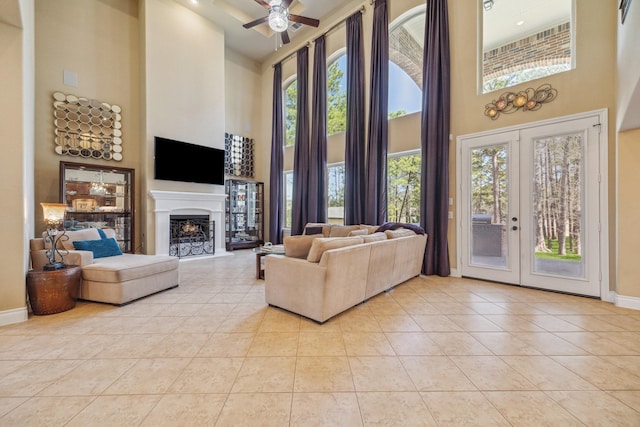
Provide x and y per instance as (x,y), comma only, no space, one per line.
(53,291)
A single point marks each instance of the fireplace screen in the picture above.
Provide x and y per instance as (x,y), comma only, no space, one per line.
(191,235)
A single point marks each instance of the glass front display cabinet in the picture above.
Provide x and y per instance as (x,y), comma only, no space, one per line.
(244,214)
(99,197)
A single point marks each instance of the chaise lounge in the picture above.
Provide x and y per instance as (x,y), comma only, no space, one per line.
(114,279)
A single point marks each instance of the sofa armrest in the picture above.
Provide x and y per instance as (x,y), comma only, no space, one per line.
(295,285)
(81,258)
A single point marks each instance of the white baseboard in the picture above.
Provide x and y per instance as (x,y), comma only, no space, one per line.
(15,315)
(627,302)
(455,273)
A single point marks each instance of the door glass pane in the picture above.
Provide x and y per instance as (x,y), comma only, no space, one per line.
(557,201)
(489,206)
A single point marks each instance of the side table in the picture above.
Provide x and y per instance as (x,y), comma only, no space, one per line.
(261,252)
(53,291)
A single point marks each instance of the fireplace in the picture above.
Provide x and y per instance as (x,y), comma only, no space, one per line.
(175,203)
(191,235)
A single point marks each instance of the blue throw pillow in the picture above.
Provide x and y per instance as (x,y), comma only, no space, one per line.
(101,248)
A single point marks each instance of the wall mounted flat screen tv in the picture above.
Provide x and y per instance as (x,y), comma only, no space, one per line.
(181,161)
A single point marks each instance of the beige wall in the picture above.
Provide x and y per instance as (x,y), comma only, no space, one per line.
(628,214)
(243,92)
(183,75)
(16,180)
(98,40)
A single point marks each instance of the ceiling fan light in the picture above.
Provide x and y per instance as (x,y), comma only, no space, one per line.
(278,19)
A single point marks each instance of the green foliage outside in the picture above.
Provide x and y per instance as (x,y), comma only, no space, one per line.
(570,256)
(290,111)
(336,100)
(398,113)
(403,188)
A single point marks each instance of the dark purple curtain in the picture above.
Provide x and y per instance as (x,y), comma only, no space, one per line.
(301,151)
(434,190)
(354,188)
(376,202)
(276,207)
(317,196)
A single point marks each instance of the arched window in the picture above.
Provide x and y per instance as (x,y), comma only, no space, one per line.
(337,95)
(406,42)
(290,112)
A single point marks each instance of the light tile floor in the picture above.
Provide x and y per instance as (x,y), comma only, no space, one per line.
(433,351)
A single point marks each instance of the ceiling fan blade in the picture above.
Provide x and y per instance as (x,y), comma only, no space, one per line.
(285,3)
(256,22)
(285,37)
(263,3)
(304,20)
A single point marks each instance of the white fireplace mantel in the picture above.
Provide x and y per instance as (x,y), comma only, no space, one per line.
(169,203)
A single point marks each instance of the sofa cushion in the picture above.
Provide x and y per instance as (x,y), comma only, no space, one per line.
(359,232)
(370,228)
(326,228)
(101,248)
(342,230)
(320,245)
(298,246)
(375,237)
(401,232)
(73,236)
(311,230)
(126,267)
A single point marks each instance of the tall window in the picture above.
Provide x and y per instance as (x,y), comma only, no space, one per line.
(337,96)
(519,45)
(288,198)
(406,41)
(403,188)
(290,113)
(336,193)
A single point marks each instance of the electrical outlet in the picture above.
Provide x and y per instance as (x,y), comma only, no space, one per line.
(450,215)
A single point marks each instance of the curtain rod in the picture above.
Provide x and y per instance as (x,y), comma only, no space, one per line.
(333,27)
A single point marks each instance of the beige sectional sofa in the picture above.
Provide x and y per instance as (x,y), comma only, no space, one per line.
(116,279)
(340,272)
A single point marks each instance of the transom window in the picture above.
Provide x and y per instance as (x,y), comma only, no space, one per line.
(337,96)
(524,40)
(406,42)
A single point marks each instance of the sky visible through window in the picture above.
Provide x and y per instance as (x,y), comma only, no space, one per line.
(404,93)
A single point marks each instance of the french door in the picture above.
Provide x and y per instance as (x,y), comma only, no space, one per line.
(530,206)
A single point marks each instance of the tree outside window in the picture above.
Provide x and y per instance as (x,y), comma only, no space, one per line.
(288,198)
(337,96)
(290,113)
(335,193)
(403,188)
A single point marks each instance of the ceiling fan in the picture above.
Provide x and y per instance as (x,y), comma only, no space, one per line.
(279,17)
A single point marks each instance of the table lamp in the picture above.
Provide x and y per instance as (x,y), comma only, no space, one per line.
(54,218)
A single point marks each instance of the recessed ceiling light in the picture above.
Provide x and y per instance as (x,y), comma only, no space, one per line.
(195,1)
(519,23)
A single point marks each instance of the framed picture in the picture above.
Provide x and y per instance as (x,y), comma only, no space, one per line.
(624,8)
(83,205)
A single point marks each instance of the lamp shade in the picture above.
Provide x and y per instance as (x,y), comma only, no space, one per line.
(53,213)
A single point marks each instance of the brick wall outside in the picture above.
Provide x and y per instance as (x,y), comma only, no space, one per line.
(549,47)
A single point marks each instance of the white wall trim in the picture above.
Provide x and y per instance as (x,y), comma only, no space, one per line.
(185,203)
(627,302)
(455,273)
(15,315)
